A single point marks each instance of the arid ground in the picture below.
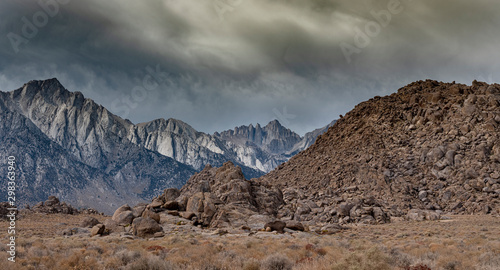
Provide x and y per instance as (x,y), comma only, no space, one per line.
(456,242)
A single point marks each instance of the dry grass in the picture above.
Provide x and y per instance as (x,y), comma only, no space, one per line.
(465,242)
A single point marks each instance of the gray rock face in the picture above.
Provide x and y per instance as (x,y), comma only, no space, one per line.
(264,148)
(81,152)
(71,145)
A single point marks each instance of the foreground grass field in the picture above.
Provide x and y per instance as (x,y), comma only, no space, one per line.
(460,242)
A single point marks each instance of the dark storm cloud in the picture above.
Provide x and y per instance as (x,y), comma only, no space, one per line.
(218,64)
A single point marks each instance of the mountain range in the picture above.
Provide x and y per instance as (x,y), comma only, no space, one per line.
(69,146)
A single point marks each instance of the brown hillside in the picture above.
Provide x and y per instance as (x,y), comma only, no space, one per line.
(431,145)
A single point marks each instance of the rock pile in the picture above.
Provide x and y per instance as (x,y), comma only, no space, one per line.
(432,146)
(222,197)
(140,220)
(52,205)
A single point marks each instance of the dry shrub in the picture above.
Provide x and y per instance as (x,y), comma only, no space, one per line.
(150,263)
(79,260)
(251,264)
(489,261)
(372,259)
(399,259)
(321,251)
(277,262)
(127,256)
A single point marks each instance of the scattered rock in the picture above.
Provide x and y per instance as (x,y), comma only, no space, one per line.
(295,225)
(145,227)
(275,226)
(139,209)
(171,194)
(53,206)
(97,230)
(123,215)
(171,205)
(89,222)
(150,214)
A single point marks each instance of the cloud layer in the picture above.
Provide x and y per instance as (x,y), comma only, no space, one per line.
(218,64)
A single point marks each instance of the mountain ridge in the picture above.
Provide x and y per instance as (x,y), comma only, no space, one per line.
(144,157)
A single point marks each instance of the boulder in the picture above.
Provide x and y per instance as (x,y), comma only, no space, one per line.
(97,230)
(124,218)
(145,227)
(113,227)
(195,203)
(123,215)
(187,215)
(89,222)
(150,214)
(138,209)
(277,225)
(171,205)
(156,203)
(295,225)
(53,200)
(344,209)
(171,194)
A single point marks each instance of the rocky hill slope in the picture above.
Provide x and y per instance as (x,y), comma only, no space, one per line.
(431,146)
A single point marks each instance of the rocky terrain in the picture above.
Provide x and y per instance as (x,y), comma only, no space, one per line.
(85,241)
(430,148)
(79,151)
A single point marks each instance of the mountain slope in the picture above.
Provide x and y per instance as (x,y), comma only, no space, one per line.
(430,146)
(178,140)
(92,136)
(43,167)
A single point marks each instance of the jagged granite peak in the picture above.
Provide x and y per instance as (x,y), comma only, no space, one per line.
(431,146)
(274,137)
(267,147)
(308,139)
(94,137)
(43,167)
(140,158)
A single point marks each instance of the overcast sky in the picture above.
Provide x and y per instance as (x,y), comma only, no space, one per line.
(225,63)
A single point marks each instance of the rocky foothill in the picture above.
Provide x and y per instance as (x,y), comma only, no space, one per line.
(431,148)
